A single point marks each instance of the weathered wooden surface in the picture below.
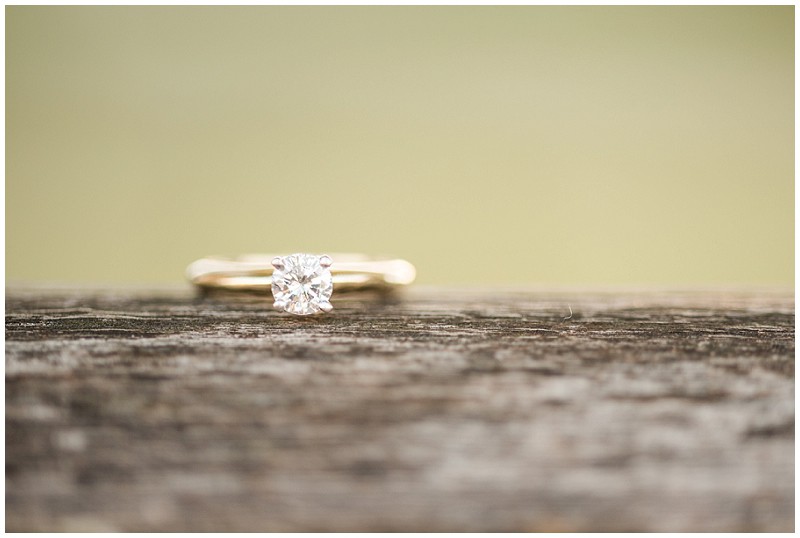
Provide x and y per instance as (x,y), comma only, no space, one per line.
(161,411)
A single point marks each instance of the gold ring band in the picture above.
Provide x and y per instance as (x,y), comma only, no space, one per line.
(253,272)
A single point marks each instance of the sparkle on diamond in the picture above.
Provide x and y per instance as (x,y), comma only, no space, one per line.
(303,284)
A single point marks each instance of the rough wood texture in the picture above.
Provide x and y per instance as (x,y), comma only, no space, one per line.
(647,411)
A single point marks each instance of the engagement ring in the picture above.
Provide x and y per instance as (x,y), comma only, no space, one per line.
(301,284)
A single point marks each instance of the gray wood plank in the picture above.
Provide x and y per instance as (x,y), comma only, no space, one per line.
(443,410)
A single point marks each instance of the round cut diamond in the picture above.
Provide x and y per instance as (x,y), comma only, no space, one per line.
(302,283)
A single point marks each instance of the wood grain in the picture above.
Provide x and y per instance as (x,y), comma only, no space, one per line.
(444,410)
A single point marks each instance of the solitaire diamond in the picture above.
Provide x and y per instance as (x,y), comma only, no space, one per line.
(302,284)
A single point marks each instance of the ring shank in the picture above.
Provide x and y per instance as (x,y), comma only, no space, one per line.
(253,272)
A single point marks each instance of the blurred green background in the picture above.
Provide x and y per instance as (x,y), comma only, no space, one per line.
(495,145)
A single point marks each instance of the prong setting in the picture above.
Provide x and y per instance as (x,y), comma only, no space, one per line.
(302,284)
